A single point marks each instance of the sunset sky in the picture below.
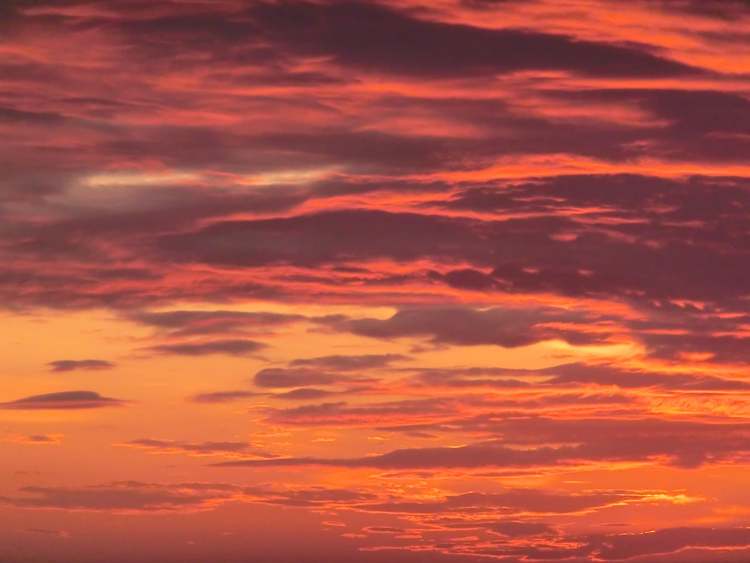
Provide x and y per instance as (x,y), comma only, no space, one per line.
(378,281)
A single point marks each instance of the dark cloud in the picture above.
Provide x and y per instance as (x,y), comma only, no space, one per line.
(678,545)
(304,394)
(316,496)
(122,497)
(223,396)
(614,547)
(731,347)
(686,237)
(513,529)
(466,379)
(16,116)
(63,400)
(174,161)
(466,326)
(349,363)
(512,501)
(190,323)
(134,496)
(613,375)
(525,443)
(74,365)
(316,239)
(575,374)
(695,227)
(341,414)
(697,124)
(376,39)
(38,439)
(232,347)
(722,9)
(299,377)
(632,196)
(193,448)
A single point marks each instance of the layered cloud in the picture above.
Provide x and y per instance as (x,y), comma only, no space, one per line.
(540,442)
(75,365)
(233,347)
(470,275)
(239,449)
(63,400)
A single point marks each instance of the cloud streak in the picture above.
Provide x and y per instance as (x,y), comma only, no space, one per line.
(64,400)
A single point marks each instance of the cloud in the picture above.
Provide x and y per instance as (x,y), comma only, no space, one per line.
(574,374)
(232,347)
(305,394)
(512,501)
(342,414)
(562,231)
(240,449)
(458,325)
(36,439)
(349,363)
(466,177)
(191,323)
(513,529)
(438,408)
(321,238)
(631,379)
(685,544)
(722,9)
(692,117)
(615,547)
(300,377)
(123,497)
(73,365)
(467,378)
(311,497)
(223,396)
(134,497)
(63,400)
(536,441)
(373,38)
(690,224)
(45,532)
(465,457)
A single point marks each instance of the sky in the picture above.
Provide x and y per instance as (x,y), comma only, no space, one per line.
(385,281)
